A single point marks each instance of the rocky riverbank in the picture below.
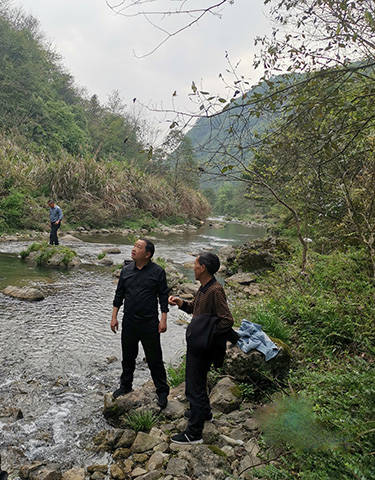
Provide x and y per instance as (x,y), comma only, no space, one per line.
(231,440)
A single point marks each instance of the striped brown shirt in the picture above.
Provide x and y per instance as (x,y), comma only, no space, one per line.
(211,299)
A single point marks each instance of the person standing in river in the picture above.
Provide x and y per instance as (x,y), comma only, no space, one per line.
(55,215)
(141,284)
(206,338)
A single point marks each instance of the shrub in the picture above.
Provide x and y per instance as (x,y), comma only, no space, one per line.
(141,421)
(176,375)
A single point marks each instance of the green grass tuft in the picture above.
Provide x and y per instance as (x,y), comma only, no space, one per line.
(141,421)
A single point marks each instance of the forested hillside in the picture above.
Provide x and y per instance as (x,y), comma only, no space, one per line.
(55,141)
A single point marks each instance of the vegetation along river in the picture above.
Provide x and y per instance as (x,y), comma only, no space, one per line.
(54,353)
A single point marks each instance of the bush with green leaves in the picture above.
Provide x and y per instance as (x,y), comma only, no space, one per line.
(141,421)
(176,375)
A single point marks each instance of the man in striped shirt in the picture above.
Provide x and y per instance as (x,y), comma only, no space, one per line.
(209,302)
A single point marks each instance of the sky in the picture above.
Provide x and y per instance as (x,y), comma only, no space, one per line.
(105,51)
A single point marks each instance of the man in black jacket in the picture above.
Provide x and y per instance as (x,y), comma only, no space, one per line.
(141,284)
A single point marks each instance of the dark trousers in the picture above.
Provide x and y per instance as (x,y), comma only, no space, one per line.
(150,338)
(197,368)
(53,240)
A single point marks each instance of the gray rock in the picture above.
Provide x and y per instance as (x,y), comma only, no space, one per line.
(24,293)
(74,474)
(252,367)
(225,396)
(242,278)
(205,461)
(138,471)
(112,250)
(154,475)
(156,461)
(97,468)
(67,238)
(117,472)
(144,442)
(127,439)
(105,261)
(10,414)
(177,467)
(175,409)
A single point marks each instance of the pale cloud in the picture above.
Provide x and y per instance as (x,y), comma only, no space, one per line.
(97,48)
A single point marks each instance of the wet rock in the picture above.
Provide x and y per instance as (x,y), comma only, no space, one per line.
(127,438)
(117,472)
(144,442)
(225,396)
(24,293)
(142,397)
(49,472)
(10,414)
(74,474)
(27,469)
(97,468)
(98,476)
(111,250)
(105,261)
(112,359)
(121,453)
(252,367)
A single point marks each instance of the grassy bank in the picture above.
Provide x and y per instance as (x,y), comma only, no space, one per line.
(322,424)
(91,193)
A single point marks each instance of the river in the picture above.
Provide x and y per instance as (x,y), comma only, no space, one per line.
(54,354)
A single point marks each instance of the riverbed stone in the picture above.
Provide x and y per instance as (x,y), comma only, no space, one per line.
(143,397)
(24,293)
(138,471)
(225,396)
(97,468)
(106,261)
(144,442)
(177,466)
(121,453)
(74,474)
(117,472)
(175,409)
(10,414)
(49,472)
(111,250)
(127,438)
(25,470)
(205,461)
(97,476)
(68,238)
(156,461)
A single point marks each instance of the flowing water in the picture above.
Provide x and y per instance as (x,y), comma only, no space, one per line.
(55,354)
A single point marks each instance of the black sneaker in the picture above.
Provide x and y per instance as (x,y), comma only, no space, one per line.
(208,417)
(186,439)
(163,400)
(121,391)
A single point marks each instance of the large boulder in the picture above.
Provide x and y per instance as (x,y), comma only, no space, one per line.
(144,397)
(24,293)
(252,367)
(257,255)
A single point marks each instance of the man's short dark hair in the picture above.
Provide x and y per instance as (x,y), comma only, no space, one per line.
(50,202)
(210,260)
(150,247)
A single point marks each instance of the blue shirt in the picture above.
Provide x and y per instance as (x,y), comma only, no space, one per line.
(55,213)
